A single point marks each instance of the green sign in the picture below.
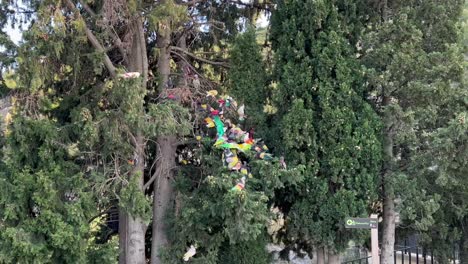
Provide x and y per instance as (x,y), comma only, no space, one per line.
(363,223)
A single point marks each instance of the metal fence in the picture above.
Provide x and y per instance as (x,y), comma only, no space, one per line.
(404,254)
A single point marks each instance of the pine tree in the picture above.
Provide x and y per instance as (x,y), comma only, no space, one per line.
(443,170)
(324,122)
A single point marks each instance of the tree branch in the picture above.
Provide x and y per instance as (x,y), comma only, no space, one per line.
(94,41)
(258,6)
(190,3)
(187,142)
(219,63)
(114,36)
(237,2)
(87,8)
(150,181)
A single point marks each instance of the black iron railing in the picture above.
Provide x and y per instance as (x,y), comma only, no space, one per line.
(409,251)
(401,252)
(358,261)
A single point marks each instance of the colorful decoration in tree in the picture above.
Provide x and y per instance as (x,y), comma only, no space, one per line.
(190,253)
(283,163)
(240,185)
(231,138)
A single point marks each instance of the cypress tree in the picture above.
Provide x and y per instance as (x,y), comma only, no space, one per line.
(324,122)
(413,66)
(247,78)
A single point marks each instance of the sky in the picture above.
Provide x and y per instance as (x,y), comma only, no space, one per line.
(15,33)
(262,20)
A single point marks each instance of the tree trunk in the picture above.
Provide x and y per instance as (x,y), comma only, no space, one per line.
(163,190)
(333,258)
(182,82)
(182,44)
(464,242)
(320,255)
(389,214)
(131,239)
(163,194)
(253,13)
(388,231)
(132,228)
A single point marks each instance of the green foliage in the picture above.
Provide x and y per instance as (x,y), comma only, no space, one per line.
(325,123)
(213,217)
(168,14)
(7,47)
(134,201)
(91,127)
(168,119)
(247,77)
(415,61)
(443,170)
(103,253)
(45,203)
(250,252)
(54,171)
(65,158)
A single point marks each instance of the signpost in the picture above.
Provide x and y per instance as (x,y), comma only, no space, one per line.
(371,223)
(361,223)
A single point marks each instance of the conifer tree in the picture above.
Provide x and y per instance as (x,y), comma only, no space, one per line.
(324,123)
(82,72)
(413,67)
(247,78)
(47,201)
(102,73)
(443,170)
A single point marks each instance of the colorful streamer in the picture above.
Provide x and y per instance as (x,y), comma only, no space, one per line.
(232,139)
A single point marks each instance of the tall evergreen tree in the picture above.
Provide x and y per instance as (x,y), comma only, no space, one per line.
(443,170)
(247,78)
(102,73)
(70,75)
(413,65)
(47,201)
(324,123)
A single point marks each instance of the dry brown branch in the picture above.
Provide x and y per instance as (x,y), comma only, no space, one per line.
(190,3)
(174,50)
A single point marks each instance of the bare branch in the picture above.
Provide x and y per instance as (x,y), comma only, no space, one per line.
(117,41)
(153,177)
(219,63)
(87,8)
(190,3)
(264,7)
(94,41)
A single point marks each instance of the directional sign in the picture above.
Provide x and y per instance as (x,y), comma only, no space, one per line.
(362,223)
